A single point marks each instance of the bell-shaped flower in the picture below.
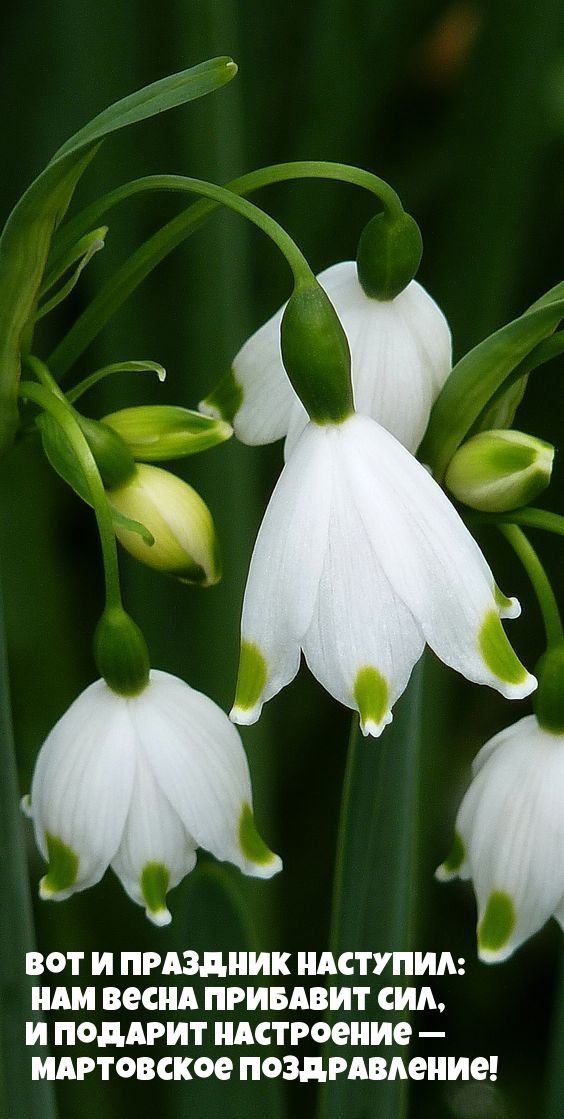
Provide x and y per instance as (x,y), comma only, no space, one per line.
(139,783)
(184,542)
(401,356)
(509,837)
(359,561)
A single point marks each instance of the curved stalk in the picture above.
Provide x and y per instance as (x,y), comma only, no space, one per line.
(540,581)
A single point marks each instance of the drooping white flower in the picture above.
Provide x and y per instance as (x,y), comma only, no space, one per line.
(139,783)
(510,837)
(359,561)
(401,356)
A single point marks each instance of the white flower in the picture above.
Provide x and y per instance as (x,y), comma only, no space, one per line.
(401,357)
(510,837)
(359,561)
(139,783)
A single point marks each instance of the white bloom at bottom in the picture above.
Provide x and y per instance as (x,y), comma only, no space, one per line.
(360,560)
(509,837)
(139,783)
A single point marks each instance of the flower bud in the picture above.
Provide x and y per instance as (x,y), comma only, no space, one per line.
(388,256)
(185,543)
(548,700)
(120,652)
(316,355)
(500,470)
(113,459)
(155,432)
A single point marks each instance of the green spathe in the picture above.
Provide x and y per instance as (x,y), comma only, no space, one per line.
(316,355)
(497,924)
(497,652)
(252,676)
(389,254)
(154,884)
(251,843)
(548,701)
(371,695)
(63,867)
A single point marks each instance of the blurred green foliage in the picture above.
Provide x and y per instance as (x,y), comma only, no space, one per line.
(460,105)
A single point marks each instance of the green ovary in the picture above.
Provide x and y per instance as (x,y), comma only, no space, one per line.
(63,866)
(251,843)
(497,653)
(252,676)
(371,695)
(498,922)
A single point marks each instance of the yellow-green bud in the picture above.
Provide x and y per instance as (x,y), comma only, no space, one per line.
(185,543)
(120,652)
(548,700)
(156,432)
(389,254)
(316,355)
(496,471)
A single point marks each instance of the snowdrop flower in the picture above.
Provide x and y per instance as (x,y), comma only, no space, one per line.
(510,837)
(139,783)
(359,561)
(401,357)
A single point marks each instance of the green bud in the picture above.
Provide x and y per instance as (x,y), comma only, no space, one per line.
(316,355)
(156,432)
(113,458)
(388,255)
(548,700)
(496,471)
(121,653)
(185,543)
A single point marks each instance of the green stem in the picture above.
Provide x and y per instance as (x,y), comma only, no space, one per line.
(134,270)
(19,1095)
(540,581)
(529,517)
(63,414)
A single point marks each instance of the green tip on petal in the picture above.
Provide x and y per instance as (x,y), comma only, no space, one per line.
(454,860)
(496,927)
(154,884)
(225,400)
(508,607)
(251,681)
(253,846)
(372,697)
(25,807)
(501,659)
(63,869)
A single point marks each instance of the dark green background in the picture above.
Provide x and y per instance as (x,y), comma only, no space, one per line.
(461,107)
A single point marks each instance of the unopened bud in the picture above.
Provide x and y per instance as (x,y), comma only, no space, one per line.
(389,254)
(496,471)
(156,432)
(181,524)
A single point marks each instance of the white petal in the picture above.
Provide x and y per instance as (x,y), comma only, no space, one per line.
(267,393)
(285,570)
(363,642)
(198,760)
(516,837)
(82,785)
(430,558)
(155,851)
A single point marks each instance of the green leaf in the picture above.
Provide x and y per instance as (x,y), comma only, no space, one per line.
(26,238)
(480,374)
(77,391)
(19,1095)
(375,889)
